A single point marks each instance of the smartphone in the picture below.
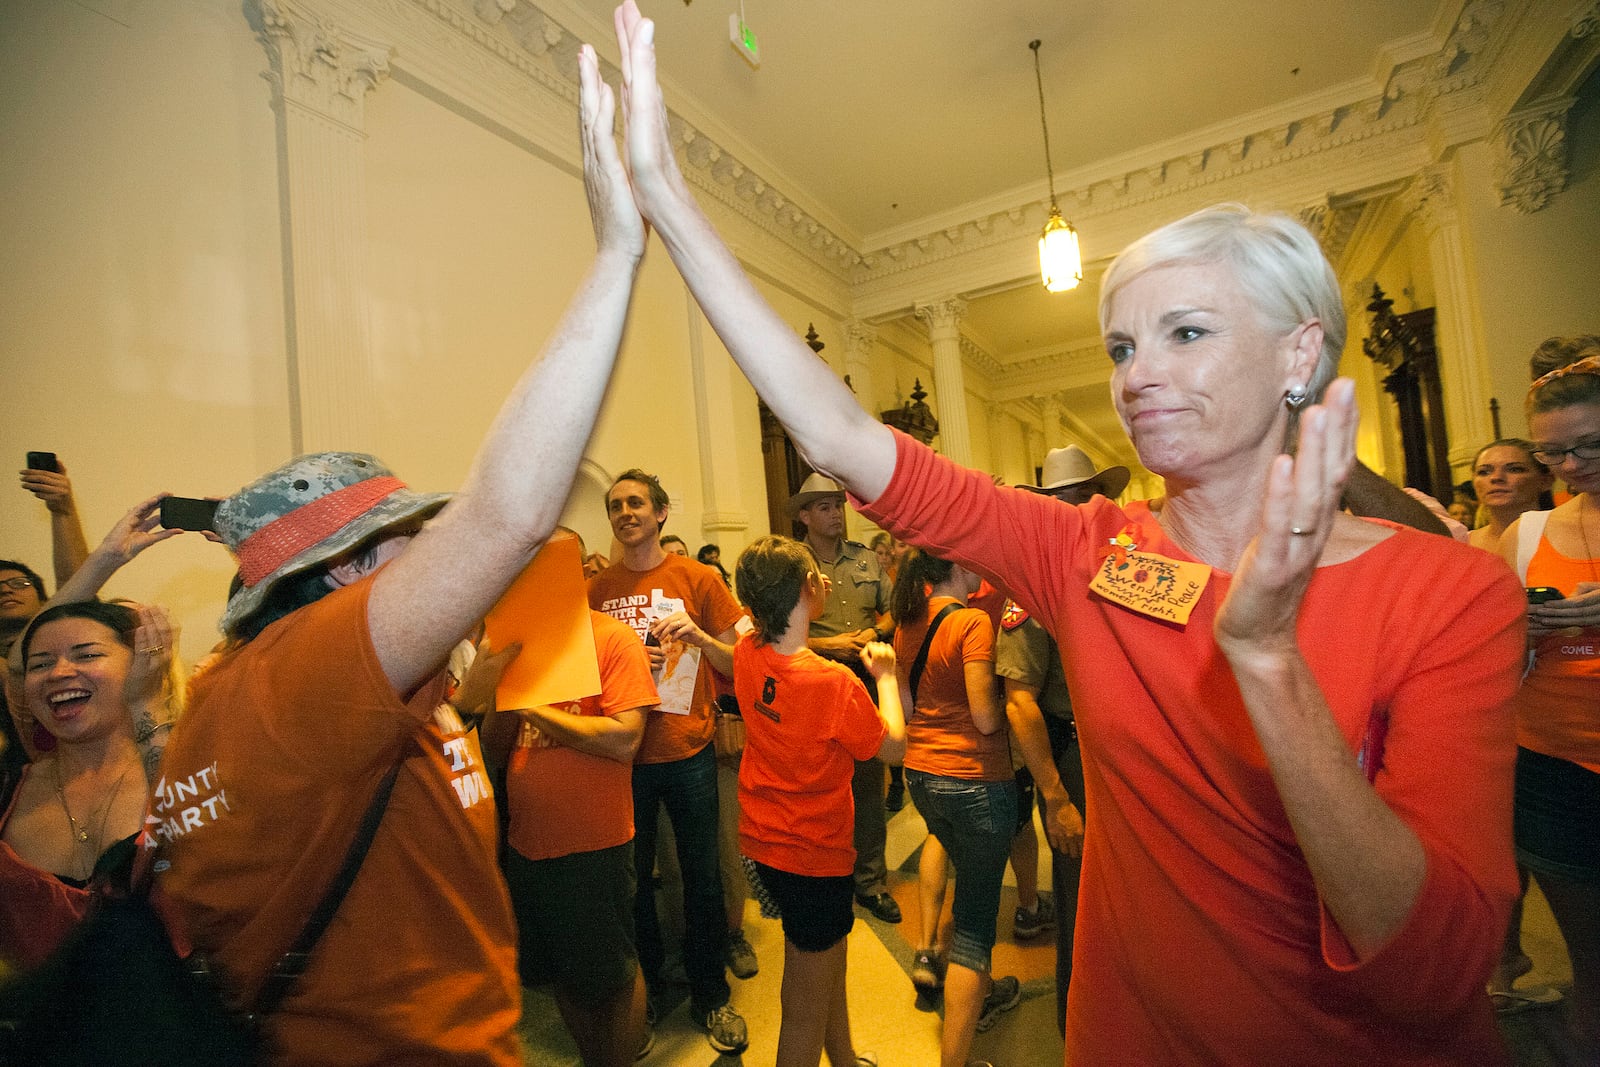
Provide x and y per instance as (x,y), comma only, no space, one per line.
(188,513)
(43,461)
(1543,594)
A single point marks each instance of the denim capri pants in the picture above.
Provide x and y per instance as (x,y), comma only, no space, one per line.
(975,822)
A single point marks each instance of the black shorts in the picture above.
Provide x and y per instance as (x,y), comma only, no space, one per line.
(1557,817)
(817,912)
(575,920)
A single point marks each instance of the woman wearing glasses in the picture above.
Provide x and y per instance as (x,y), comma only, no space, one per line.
(1558,707)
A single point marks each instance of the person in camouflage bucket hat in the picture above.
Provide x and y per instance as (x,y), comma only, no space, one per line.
(333,683)
(310,510)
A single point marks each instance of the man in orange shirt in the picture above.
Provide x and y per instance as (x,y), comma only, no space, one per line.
(681,611)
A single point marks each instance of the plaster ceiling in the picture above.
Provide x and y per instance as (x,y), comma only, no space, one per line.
(889,119)
(886,114)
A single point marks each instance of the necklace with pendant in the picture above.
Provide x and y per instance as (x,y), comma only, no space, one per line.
(80,831)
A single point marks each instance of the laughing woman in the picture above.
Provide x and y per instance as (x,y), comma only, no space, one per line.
(95,676)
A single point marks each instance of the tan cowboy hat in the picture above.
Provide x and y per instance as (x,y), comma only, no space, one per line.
(1069,466)
(815,487)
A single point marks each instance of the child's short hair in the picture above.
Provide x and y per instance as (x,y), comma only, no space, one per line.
(770,575)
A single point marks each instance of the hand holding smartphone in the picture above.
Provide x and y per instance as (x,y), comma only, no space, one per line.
(1543,594)
(43,461)
(188,513)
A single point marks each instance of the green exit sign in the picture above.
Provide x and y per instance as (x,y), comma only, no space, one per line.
(743,39)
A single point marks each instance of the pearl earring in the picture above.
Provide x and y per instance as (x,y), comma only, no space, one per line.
(1295,397)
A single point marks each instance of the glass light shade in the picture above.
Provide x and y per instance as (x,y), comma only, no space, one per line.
(1060,264)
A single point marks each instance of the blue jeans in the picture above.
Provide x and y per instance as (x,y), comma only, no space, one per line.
(688,788)
(975,822)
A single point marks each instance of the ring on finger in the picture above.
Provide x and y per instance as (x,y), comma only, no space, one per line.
(1302,531)
(152,650)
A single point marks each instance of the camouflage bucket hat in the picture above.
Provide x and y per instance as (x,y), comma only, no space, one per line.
(306,512)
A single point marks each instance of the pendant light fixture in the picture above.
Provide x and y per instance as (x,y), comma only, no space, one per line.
(1060,264)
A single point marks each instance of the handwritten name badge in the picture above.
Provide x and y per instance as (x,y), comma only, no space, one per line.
(1152,585)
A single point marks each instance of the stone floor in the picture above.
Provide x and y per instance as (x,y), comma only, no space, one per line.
(886,1020)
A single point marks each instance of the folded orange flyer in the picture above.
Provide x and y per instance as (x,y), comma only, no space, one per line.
(547,609)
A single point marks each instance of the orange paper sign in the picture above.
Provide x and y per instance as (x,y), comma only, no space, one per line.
(1162,588)
(547,609)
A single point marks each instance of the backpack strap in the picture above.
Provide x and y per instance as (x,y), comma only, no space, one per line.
(293,962)
(1529,529)
(918,664)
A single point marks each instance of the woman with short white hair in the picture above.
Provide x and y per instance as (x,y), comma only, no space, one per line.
(1296,747)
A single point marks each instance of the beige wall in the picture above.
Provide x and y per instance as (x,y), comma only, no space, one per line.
(141,316)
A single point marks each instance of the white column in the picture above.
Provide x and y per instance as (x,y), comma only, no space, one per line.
(949,380)
(719,454)
(321,75)
(858,341)
(1463,364)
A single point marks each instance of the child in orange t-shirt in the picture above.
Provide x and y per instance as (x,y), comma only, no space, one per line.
(807,721)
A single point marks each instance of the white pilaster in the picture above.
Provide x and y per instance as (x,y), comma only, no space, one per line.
(713,419)
(1050,415)
(1464,366)
(943,318)
(858,341)
(320,75)
(999,419)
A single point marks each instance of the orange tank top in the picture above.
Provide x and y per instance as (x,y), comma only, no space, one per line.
(1558,706)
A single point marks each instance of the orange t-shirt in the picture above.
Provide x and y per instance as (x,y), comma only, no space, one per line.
(1558,706)
(627,595)
(941,737)
(806,723)
(263,784)
(562,801)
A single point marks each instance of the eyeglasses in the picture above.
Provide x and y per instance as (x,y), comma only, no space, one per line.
(15,585)
(1552,457)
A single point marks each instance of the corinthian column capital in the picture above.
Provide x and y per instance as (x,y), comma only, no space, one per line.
(318,65)
(942,315)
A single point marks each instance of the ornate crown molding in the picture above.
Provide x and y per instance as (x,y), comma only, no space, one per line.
(981,359)
(488,53)
(1531,155)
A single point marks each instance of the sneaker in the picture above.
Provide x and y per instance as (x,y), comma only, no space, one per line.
(741,957)
(925,972)
(725,1030)
(1005,995)
(1030,924)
